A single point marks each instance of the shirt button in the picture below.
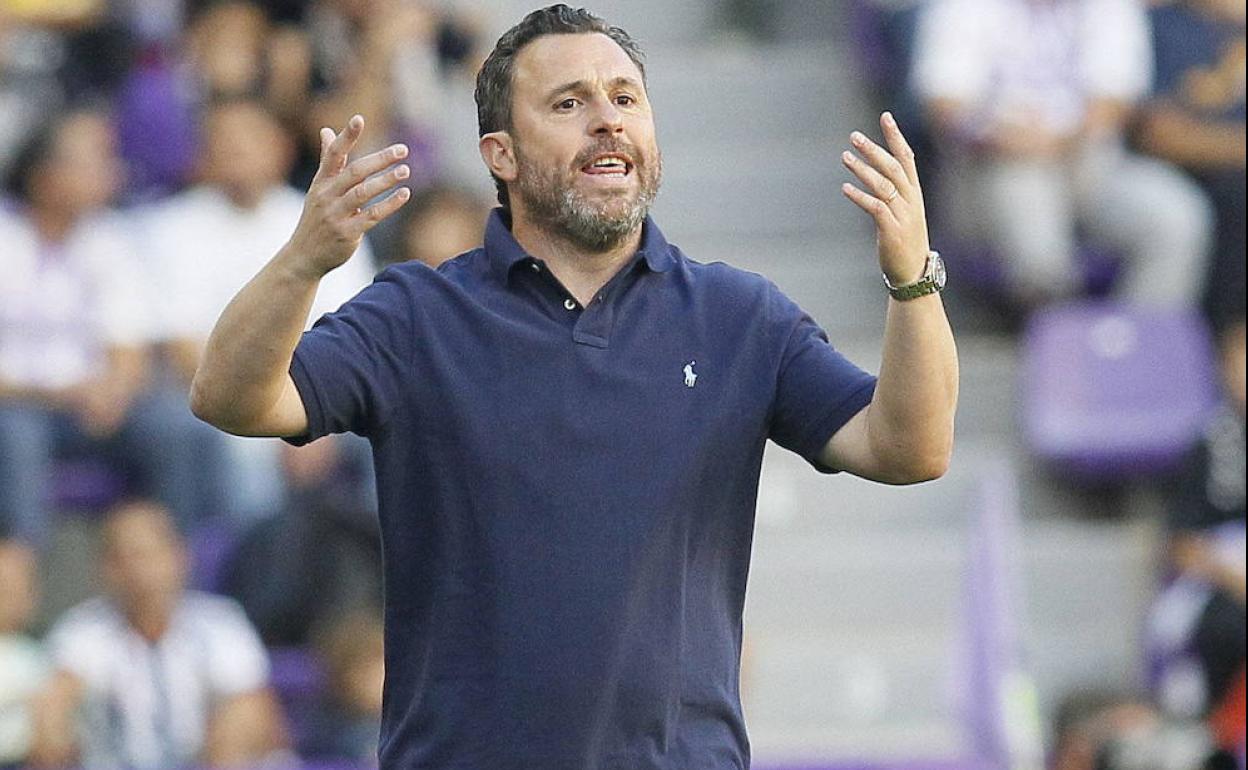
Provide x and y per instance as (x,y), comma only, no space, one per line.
(536,267)
(569,304)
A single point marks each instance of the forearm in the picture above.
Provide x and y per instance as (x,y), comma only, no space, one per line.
(54,733)
(911,418)
(1174,136)
(244,367)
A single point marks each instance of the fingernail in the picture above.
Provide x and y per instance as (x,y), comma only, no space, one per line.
(847,156)
(858,138)
(402,171)
(888,118)
(399,150)
(404,193)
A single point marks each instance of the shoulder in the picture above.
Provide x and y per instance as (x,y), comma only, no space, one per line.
(213,614)
(91,625)
(735,291)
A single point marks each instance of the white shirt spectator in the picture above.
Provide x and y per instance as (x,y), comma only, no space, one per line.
(62,306)
(1023,61)
(203,250)
(148,705)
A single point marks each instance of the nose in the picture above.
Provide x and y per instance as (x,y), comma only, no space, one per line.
(606,119)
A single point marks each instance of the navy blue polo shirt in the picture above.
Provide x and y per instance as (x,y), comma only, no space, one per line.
(567,497)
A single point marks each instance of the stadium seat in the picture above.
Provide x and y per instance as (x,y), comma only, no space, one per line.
(1111,392)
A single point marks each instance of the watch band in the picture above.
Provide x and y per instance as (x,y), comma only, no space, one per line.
(933,280)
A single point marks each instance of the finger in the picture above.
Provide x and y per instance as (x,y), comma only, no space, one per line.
(899,147)
(336,154)
(882,161)
(870,204)
(357,197)
(369,217)
(362,168)
(880,187)
(327,136)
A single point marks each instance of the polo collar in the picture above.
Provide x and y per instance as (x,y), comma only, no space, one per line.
(504,252)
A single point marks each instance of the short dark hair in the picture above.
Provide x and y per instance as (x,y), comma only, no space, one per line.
(495,80)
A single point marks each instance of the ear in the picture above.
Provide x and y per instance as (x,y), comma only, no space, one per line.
(499,153)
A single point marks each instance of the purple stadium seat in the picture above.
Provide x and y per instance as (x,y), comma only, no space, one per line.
(85,484)
(1110,391)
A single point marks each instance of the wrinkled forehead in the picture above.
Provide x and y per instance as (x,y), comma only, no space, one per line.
(552,61)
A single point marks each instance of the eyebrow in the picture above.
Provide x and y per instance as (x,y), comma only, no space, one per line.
(582,85)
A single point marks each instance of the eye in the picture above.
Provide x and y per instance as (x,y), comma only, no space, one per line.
(625,100)
(566,104)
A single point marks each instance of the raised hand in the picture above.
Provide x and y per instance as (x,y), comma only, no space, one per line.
(893,198)
(336,210)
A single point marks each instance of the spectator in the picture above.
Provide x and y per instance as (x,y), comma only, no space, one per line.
(73,331)
(1115,731)
(386,59)
(1197,627)
(231,51)
(1028,100)
(441,222)
(205,242)
(164,677)
(1196,120)
(347,724)
(23,668)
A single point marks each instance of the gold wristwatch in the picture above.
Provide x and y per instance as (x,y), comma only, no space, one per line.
(933,280)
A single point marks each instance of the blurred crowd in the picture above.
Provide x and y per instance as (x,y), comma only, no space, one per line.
(1096,148)
(154,153)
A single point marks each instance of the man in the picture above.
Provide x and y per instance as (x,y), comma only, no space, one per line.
(205,242)
(164,677)
(568,424)
(73,334)
(1029,99)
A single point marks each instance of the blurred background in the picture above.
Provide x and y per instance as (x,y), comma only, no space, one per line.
(1071,595)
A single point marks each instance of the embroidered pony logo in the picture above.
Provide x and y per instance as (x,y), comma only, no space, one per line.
(691,377)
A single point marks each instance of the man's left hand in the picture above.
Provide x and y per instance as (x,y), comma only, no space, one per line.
(893,198)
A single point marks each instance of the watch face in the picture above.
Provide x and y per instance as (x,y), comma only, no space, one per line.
(938,273)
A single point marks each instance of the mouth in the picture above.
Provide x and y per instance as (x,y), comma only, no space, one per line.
(610,166)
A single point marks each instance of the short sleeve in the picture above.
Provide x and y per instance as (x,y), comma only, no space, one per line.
(818,390)
(347,367)
(237,662)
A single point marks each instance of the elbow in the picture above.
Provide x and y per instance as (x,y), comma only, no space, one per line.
(203,405)
(921,465)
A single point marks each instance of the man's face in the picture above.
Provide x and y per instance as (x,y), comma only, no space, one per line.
(246,152)
(83,172)
(144,562)
(587,163)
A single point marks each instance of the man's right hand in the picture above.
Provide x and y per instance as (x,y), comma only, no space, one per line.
(336,211)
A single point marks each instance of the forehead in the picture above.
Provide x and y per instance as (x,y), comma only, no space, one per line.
(553,60)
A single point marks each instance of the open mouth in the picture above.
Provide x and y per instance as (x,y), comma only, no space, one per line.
(610,165)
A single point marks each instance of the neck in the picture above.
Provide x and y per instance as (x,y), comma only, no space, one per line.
(581,272)
(150,620)
(53,223)
(244,197)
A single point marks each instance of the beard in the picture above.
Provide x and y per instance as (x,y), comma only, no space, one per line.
(554,203)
